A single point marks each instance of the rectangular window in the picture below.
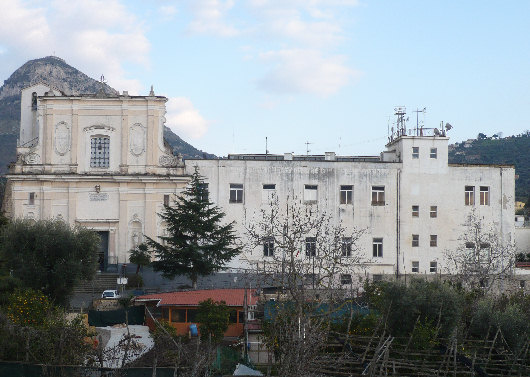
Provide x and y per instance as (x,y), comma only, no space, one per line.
(377,247)
(99,152)
(203,191)
(346,194)
(236,193)
(415,152)
(345,279)
(178,315)
(434,211)
(470,195)
(268,192)
(268,247)
(346,246)
(192,314)
(310,193)
(434,240)
(31,199)
(433,267)
(415,211)
(165,314)
(416,266)
(378,195)
(311,247)
(434,153)
(470,245)
(484,196)
(485,245)
(232,316)
(415,240)
(166,200)
(241,316)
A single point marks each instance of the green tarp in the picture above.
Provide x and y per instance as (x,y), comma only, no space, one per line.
(114,317)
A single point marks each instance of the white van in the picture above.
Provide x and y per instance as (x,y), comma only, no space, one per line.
(110,293)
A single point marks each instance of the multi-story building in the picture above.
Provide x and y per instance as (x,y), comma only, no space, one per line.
(98,161)
(411,203)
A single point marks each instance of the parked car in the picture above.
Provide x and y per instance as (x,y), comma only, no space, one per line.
(110,293)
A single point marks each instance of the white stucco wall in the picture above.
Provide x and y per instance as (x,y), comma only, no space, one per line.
(408,182)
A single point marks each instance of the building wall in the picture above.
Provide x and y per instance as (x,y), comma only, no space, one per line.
(522,239)
(408,181)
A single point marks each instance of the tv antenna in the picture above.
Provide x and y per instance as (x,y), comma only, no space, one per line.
(266,147)
(307,148)
(424,110)
(401,127)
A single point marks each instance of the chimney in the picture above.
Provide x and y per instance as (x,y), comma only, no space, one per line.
(330,156)
(287,156)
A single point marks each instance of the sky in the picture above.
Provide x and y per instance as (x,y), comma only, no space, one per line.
(310,76)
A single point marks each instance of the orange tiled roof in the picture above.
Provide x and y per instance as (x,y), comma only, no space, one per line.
(232,297)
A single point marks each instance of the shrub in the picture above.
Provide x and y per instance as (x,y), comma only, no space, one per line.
(28,307)
(135,281)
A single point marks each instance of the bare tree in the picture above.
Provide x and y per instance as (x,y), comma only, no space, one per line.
(313,262)
(483,258)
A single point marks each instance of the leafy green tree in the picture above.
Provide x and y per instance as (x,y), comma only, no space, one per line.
(141,256)
(420,303)
(49,256)
(197,243)
(213,319)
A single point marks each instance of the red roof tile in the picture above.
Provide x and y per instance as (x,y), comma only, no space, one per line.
(232,297)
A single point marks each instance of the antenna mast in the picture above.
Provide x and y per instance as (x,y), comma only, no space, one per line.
(401,128)
(266,147)
(307,148)
(420,133)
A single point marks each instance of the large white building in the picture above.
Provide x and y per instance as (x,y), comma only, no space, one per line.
(411,203)
(98,161)
(101,161)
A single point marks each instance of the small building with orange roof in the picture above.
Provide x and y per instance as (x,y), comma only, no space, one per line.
(179,309)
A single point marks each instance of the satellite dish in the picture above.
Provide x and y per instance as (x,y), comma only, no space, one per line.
(448,126)
(437,132)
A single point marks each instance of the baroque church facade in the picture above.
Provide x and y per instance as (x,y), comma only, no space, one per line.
(98,161)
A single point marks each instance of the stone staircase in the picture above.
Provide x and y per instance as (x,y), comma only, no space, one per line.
(101,282)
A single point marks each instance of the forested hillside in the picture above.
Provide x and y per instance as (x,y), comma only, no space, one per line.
(513,150)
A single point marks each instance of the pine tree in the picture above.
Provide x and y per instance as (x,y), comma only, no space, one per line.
(197,244)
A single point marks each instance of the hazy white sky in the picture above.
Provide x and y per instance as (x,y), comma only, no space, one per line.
(328,72)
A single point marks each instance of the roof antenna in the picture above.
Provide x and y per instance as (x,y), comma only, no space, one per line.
(266,147)
(417,119)
(307,148)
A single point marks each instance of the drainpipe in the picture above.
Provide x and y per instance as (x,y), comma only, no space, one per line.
(398,193)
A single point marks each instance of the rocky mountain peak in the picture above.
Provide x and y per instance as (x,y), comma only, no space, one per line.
(53,71)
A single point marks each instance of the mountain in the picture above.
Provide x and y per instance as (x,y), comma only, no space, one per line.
(56,72)
(513,150)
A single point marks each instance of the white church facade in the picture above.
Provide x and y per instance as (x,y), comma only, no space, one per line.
(98,161)
(101,161)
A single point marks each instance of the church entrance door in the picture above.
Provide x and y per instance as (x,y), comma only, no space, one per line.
(103,252)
